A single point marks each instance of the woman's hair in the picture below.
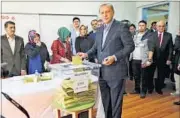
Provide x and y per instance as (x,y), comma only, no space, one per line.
(86,28)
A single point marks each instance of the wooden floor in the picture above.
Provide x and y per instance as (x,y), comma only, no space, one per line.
(153,106)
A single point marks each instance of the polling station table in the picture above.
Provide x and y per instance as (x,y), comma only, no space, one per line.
(36,98)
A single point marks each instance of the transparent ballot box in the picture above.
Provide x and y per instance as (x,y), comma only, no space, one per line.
(78,87)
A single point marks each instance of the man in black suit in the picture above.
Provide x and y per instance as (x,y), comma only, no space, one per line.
(94,24)
(12,51)
(112,46)
(153,26)
(162,46)
(132,29)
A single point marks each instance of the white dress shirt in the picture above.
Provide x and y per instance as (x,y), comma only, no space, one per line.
(11,43)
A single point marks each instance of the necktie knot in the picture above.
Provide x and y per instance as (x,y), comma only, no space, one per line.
(160,34)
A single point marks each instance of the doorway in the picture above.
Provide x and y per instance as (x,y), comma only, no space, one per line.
(156,13)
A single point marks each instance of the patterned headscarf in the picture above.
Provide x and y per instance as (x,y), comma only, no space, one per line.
(63,33)
(31,36)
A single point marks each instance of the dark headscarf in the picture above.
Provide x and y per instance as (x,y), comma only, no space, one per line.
(31,36)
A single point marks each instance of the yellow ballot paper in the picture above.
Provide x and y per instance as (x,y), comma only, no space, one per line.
(76,60)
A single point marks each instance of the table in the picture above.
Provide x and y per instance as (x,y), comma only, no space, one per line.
(36,98)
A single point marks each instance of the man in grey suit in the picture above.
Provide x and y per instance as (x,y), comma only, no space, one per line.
(12,51)
(113,44)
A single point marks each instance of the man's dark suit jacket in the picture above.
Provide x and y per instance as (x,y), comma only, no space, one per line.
(119,43)
(164,52)
(16,60)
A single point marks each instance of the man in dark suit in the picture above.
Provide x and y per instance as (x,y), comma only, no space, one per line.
(132,29)
(113,44)
(94,24)
(162,46)
(12,51)
(153,26)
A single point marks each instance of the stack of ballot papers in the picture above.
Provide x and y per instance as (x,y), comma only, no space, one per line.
(66,98)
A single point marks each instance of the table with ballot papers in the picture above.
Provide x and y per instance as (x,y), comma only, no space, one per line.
(68,86)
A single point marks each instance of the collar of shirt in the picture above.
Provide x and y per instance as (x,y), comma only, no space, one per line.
(94,31)
(8,37)
(76,32)
(107,26)
(160,33)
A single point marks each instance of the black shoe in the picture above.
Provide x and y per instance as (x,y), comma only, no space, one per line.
(159,92)
(131,78)
(125,93)
(164,85)
(177,103)
(150,91)
(174,88)
(135,92)
(142,95)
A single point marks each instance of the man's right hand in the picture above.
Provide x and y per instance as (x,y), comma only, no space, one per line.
(82,55)
(178,67)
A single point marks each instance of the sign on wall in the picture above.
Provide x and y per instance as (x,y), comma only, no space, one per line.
(24,23)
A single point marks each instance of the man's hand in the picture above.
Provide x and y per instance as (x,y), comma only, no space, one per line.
(178,67)
(46,65)
(168,62)
(143,65)
(23,72)
(82,55)
(96,61)
(148,63)
(109,60)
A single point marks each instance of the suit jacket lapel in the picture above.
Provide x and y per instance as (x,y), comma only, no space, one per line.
(101,36)
(108,37)
(16,45)
(7,44)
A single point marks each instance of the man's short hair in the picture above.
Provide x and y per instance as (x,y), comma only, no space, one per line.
(7,23)
(107,4)
(76,18)
(94,20)
(153,23)
(126,22)
(132,25)
(143,21)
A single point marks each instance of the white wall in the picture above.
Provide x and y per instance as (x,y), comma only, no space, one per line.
(124,10)
(174,18)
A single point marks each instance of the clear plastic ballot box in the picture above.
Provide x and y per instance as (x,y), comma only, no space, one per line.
(78,87)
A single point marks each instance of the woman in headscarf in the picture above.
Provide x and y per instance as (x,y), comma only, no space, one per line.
(61,48)
(36,53)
